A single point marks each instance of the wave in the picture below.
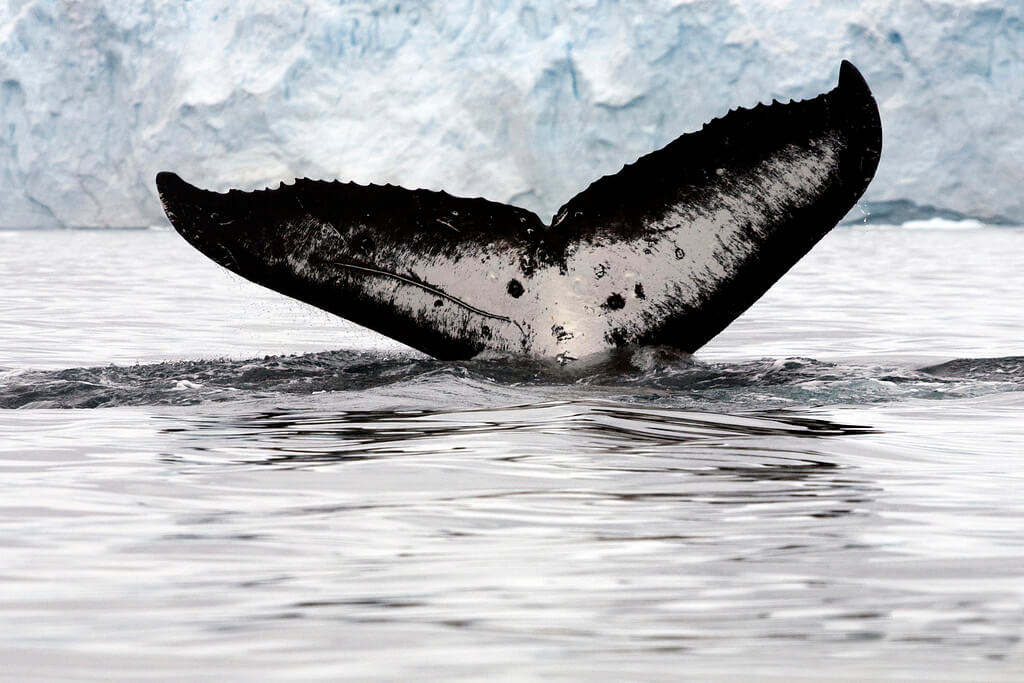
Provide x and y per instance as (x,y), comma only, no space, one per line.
(650,375)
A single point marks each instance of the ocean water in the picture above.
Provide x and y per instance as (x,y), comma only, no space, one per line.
(201,480)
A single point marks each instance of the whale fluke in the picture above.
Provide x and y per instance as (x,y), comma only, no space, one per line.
(667,251)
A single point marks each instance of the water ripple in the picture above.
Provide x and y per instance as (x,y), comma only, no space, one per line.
(375,515)
(653,374)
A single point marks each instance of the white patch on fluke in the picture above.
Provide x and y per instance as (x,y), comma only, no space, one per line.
(686,255)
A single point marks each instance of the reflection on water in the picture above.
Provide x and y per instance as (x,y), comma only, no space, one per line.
(623,429)
(547,539)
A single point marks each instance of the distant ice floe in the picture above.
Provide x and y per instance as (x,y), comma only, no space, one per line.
(941,224)
(944,224)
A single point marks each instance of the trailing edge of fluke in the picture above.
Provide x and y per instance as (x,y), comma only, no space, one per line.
(668,251)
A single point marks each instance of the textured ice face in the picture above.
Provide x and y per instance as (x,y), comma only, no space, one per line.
(523,102)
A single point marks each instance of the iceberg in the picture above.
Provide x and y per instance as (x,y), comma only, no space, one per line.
(522,102)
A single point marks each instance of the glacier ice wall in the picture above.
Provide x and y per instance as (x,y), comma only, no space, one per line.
(516,100)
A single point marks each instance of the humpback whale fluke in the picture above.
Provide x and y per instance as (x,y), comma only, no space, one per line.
(667,251)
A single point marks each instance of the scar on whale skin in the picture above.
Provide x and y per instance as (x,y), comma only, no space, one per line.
(708,223)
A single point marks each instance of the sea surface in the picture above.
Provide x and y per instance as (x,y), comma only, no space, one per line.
(202,480)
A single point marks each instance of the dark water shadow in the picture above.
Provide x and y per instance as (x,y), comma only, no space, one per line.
(661,375)
(303,436)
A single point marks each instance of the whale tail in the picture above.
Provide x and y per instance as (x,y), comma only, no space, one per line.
(667,251)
